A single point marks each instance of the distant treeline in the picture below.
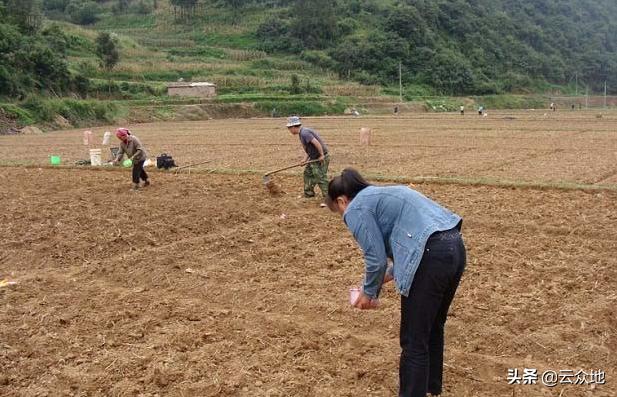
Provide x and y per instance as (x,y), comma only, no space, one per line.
(455,46)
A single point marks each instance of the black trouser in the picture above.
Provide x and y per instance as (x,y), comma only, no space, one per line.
(424,312)
(139,172)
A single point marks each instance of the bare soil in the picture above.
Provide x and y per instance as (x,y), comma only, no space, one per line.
(206,285)
(561,147)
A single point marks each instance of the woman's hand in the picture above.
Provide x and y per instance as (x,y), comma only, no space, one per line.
(365,302)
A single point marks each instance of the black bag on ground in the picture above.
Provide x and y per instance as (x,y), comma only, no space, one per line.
(165,161)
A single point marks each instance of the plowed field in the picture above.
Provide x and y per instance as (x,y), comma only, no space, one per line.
(205,285)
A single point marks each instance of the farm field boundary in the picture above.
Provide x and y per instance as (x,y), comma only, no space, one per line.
(373,177)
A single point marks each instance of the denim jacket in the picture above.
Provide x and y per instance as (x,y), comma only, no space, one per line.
(394,222)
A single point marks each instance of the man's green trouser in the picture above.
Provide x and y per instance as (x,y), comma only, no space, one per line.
(316,174)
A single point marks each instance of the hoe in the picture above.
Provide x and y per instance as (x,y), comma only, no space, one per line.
(272,187)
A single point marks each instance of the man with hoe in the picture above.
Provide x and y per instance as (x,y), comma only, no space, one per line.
(317,158)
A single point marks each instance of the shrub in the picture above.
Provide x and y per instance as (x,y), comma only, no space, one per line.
(87,68)
(319,58)
(295,85)
(23,116)
(81,85)
(142,7)
(39,108)
(85,13)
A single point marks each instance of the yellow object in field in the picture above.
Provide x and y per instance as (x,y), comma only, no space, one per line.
(6,283)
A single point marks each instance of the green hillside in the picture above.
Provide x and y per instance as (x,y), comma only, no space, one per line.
(296,55)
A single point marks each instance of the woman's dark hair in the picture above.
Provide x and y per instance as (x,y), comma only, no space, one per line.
(349,184)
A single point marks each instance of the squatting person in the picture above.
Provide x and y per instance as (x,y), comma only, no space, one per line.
(134,150)
(315,173)
(423,240)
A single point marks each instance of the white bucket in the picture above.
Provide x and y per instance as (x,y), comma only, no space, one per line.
(95,157)
(106,138)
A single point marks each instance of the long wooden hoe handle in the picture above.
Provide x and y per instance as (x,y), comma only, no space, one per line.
(291,166)
(191,165)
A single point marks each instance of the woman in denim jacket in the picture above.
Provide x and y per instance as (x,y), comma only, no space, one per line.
(424,242)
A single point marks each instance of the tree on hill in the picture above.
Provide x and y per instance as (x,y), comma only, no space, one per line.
(30,60)
(83,13)
(370,59)
(314,22)
(24,13)
(121,6)
(142,7)
(107,51)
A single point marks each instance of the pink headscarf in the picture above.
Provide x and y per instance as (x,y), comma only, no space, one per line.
(122,133)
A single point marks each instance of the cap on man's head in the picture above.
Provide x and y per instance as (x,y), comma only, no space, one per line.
(293,121)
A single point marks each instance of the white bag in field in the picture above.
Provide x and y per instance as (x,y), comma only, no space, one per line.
(365,136)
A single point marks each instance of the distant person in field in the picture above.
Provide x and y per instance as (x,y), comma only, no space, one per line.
(317,157)
(553,107)
(462,110)
(481,110)
(424,242)
(396,110)
(134,150)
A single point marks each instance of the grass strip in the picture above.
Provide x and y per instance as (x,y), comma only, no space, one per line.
(462,181)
